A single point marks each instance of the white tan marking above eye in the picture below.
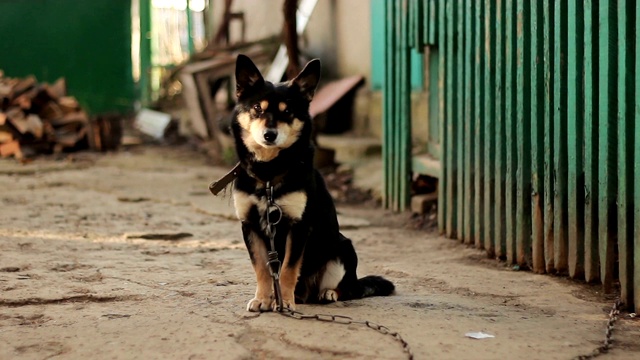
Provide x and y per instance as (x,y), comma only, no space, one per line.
(293,204)
(282,106)
(264,104)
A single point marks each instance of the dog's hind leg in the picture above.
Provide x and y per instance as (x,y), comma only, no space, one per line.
(263,299)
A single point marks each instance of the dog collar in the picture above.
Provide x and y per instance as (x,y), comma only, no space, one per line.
(217,186)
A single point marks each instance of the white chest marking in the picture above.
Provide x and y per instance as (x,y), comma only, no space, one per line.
(292,204)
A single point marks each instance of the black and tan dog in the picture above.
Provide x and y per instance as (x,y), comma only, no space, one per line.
(272,130)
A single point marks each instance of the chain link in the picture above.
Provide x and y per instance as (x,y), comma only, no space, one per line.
(608,333)
(346,320)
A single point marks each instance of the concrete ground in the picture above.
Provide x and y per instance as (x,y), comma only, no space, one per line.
(78,279)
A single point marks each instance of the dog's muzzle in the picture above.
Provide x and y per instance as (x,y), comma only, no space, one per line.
(270,136)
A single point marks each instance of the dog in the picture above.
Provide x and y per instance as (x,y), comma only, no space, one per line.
(272,128)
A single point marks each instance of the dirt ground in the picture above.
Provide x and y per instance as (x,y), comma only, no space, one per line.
(77,280)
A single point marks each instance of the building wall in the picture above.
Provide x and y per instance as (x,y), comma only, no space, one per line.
(338,32)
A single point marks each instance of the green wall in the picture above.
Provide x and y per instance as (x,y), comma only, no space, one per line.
(86,41)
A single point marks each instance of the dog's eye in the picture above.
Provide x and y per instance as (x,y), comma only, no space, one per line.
(257,109)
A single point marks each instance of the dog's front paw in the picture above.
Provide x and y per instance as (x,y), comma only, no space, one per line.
(257,304)
(329,295)
(286,304)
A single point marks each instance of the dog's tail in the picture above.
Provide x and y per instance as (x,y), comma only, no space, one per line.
(374,285)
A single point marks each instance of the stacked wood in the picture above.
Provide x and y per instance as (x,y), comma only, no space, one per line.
(38,117)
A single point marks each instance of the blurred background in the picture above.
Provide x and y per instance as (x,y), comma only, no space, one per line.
(122,59)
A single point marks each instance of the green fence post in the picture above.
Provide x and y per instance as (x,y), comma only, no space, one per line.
(607,228)
(468,121)
(625,148)
(575,134)
(510,126)
(459,119)
(537,136)
(145,52)
(478,130)
(591,256)
(523,129)
(489,125)
(560,136)
(387,97)
(500,211)
(443,182)
(637,166)
(450,128)
(549,181)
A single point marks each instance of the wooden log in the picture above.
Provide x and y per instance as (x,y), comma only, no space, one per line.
(22,86)
(51,111)
(80,117)
(35,125)
(17,119)
(56,90)
(24,101)
(10,148)
(68,104)
(5,136)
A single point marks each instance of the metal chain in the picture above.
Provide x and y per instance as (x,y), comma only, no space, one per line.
(346,320)
(608,333)
(274,267)
(273,263)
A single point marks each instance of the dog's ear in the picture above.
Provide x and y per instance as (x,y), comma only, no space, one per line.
(307,80)
(247,75)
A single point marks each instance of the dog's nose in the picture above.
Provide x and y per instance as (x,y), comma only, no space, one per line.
(270,135)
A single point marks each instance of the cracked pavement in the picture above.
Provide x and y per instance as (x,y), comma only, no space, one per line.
(78,282)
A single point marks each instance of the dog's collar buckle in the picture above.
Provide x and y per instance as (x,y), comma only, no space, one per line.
(217,186)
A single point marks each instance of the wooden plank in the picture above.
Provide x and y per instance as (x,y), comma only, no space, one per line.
(500,213)
(537,137)
(591,257)
(427,19)
(625,148)
(450,128)
(636,273)
(607,230)
(560,136)
(549,184)
(443,181)
(459,119)
(434,147)
(412,39)
(388,102)
(489,125)
(404,141)
(575,134)
(510,127)
(468,122)
(523,135)
(397,111)
(478,130)
(434,9)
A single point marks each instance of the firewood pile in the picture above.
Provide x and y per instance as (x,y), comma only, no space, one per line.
(39,118)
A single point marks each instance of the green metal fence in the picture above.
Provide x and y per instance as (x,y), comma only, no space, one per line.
(540,106)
